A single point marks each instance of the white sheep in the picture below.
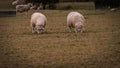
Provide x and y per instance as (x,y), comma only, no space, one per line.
(38,22)
(75,20)
(16,2)
(23,8)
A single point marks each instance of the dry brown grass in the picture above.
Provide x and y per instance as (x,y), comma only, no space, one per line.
(97,47)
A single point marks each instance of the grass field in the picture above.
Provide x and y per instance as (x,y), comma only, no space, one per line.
(97,47)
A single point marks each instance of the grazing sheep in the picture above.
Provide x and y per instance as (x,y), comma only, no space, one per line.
(38,22)
(23,8)
(15,2)
(35,7)
(75,20)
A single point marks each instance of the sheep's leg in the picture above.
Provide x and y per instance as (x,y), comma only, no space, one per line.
(82,28)
(33,28)
(76,30)
(70,29)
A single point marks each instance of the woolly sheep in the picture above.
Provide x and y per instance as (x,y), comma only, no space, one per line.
(23,8)
(75,20)
(16,2)
(38,22)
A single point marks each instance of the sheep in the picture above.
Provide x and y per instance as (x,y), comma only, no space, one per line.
(38,22)
(75,20)
(16,2)
(35,7)
(23,8)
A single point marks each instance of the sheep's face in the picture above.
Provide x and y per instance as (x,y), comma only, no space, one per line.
(39,28)
(79,29)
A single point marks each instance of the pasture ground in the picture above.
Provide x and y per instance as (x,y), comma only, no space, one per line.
(97,47)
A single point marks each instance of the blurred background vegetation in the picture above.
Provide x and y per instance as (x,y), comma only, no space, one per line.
(66,4)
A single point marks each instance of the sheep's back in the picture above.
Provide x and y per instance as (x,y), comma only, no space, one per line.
(74,17)
(38,18)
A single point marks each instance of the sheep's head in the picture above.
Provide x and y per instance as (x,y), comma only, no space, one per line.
(78,28)
(30,4)
(39,28)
